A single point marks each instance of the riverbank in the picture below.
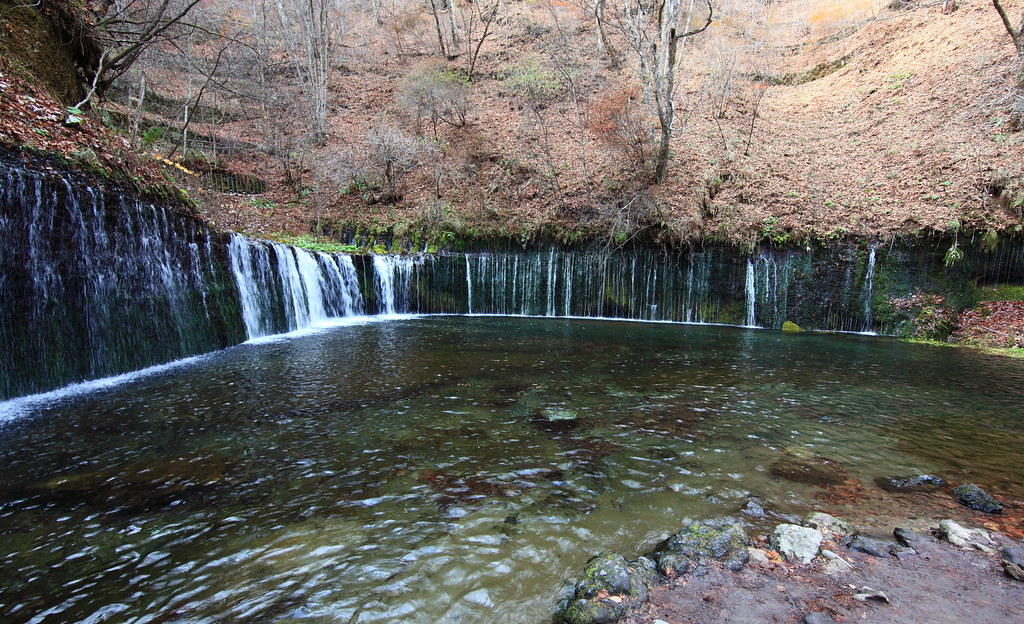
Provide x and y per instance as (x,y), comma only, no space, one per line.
(917,563)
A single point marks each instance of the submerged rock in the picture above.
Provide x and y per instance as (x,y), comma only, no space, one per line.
(609,587)
(976,498)
(555,420)
(152,482)
(721,539)
(796,542)
(914,483)
(818,471)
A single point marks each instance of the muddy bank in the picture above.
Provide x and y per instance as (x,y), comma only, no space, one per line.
(926,563)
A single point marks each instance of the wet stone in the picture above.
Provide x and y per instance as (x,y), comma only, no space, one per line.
(609,587)
(870,546)
(914,483)
(972,496)
(754,507)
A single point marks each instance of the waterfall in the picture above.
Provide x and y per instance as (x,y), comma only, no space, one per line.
(384,280)
(751,295)
(869,287)
(394,279)
(551,285)
(340,284)
(95,285)
(283,288)
(469,287)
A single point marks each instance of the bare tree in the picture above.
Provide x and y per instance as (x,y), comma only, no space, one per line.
(655,31)
(380,162)
(479,14)
(538,88)
(436,7)
(1017,35)
(124,29)
(313,26)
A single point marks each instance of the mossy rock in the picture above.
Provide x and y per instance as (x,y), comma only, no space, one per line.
(607,590)
(721,539)
(791,328)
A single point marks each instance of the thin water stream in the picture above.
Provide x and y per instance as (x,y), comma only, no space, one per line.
(460,469)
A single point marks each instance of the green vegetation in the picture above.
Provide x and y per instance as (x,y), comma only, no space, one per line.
(1001,292)
(314,243)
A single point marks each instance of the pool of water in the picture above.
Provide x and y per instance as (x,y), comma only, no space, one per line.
(460,469)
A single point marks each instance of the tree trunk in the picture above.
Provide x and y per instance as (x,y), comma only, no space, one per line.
(434,10)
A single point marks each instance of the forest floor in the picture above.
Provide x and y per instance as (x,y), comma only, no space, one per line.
(860,125)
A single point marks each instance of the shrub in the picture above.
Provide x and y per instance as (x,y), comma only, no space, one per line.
(436,93)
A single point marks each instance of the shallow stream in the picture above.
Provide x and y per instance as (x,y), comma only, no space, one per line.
(460,469)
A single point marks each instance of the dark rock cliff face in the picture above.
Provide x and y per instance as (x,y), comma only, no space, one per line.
(45,40)
(95,284)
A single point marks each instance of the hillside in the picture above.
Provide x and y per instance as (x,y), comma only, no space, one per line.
(796,121)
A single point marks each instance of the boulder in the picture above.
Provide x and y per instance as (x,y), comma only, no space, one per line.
(720,539)
(609,587)
(796,542)
(829,525)
(967,538)
(976,498)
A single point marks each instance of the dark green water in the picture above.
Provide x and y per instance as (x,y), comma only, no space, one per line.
(452,469)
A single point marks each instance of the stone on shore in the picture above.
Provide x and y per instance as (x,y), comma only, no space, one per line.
(966,538)
(828,524)
(609,587)
(1013,562)
(721,539)
(796,542)
(870,546)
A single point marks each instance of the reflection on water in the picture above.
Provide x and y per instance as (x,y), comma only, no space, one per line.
(460,469)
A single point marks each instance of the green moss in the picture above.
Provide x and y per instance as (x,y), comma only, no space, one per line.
(1001,292)
(313,243)
(791,327)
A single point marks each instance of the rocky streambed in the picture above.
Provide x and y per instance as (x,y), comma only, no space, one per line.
(816,569)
